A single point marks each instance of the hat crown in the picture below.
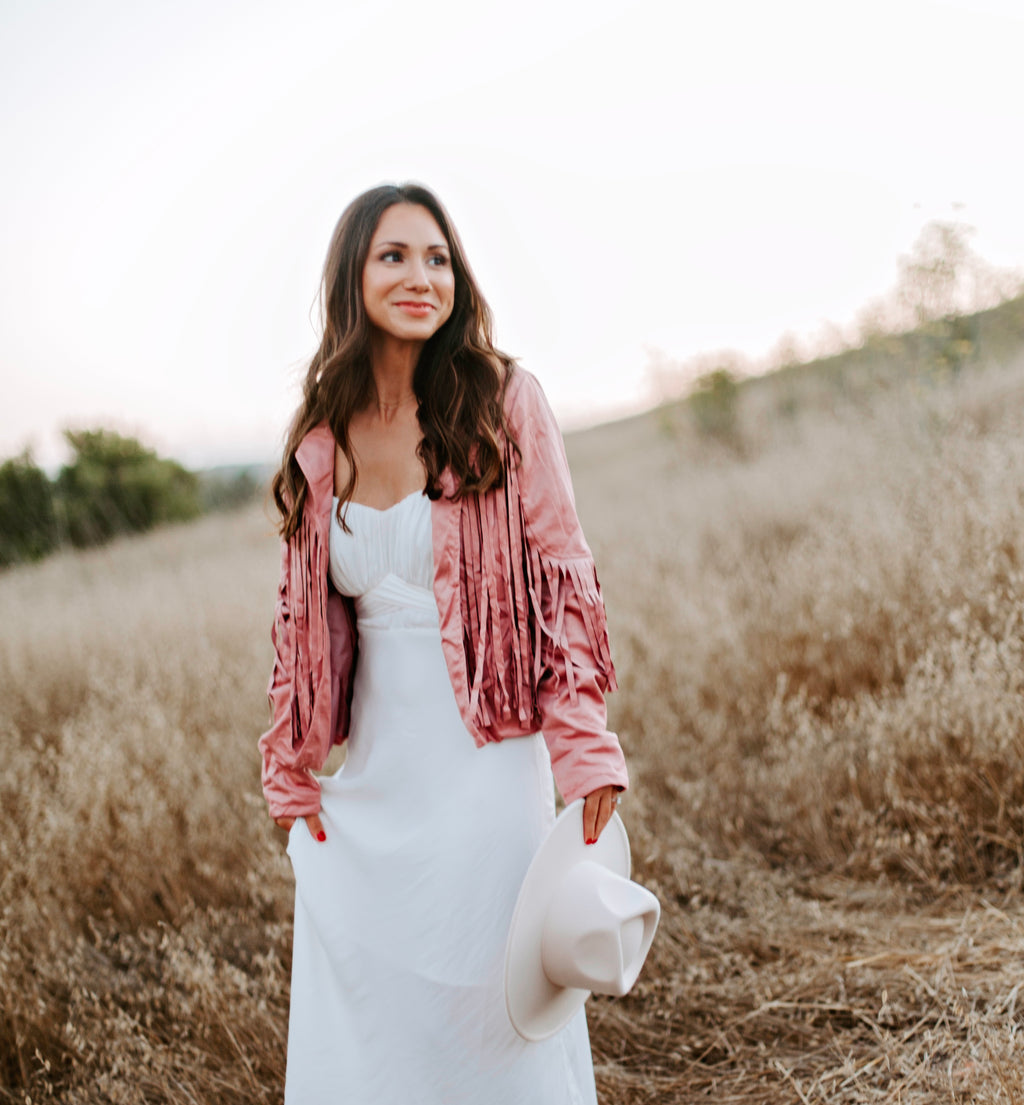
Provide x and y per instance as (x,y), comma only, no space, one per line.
(597,930)
(579,925)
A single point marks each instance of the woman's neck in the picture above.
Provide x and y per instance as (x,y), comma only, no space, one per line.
(394,366)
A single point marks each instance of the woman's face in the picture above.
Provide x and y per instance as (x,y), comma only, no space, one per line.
(408,282)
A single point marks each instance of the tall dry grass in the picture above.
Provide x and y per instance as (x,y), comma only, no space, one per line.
(824,641)
(819,638)
(143,901)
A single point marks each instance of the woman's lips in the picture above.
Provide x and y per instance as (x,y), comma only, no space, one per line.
(420,310)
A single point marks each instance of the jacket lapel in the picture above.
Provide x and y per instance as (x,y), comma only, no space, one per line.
(316,459)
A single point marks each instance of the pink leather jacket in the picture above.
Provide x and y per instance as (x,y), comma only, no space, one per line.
(523,625)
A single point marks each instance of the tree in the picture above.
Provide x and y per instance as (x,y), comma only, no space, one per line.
(28,526)
(714,403)
(942,284)
(115,485)
(937,278)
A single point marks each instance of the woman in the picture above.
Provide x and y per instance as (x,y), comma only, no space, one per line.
(439,609)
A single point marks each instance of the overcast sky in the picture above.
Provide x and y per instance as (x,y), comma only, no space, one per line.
(627,176)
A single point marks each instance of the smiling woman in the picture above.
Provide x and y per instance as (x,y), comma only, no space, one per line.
(408,276)
(438,610)
(405,327)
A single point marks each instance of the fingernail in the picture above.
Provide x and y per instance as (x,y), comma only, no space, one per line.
(589,841)
(321,836)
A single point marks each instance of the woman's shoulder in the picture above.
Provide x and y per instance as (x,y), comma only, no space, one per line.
(542,475)
(524,399)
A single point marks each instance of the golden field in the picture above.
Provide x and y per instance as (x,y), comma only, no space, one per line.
(818,624)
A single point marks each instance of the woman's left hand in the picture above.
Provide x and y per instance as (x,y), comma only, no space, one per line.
(598,808)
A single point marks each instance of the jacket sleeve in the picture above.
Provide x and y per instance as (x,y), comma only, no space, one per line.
(572,655)
(290,787)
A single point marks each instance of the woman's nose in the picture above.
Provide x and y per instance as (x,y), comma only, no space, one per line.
(417,276)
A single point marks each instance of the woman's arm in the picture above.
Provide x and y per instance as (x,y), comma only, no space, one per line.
(575,665)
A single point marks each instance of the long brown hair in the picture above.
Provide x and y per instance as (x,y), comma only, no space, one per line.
(459,381)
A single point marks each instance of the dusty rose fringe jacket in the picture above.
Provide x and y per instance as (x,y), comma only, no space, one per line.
(523,624)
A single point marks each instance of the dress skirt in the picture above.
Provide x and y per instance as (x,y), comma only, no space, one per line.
(401,916)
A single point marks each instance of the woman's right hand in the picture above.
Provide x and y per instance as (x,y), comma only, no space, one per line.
(313,823)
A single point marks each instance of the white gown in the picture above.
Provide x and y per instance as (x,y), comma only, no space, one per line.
(401,916)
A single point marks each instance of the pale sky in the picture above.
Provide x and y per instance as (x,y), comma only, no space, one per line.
(626,177)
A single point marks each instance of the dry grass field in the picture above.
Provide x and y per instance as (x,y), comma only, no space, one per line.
(819,630)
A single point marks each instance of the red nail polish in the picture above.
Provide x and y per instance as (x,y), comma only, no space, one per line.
(321,836)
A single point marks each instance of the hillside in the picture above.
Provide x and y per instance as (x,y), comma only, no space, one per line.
(818,623)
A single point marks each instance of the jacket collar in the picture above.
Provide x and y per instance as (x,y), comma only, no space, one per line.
(315,455)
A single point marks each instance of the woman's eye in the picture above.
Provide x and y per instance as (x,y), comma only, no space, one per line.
(439,260)
(391,255)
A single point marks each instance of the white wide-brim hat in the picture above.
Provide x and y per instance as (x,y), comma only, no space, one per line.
(580,926)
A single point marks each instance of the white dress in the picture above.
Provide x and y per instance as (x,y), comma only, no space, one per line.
(401,916)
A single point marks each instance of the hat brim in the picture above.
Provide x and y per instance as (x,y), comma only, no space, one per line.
(536,1006)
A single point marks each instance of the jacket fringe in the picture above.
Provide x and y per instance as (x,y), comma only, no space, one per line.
(308,563)
(507,585)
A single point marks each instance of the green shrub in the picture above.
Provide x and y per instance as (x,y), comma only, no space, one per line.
(28,528)
(116,485)
(714,404)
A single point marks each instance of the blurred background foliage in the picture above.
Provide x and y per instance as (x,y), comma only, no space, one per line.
(28,524)
(116,485)
(949,310)
(112,485)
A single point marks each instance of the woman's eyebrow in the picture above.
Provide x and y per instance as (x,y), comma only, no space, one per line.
(405,245)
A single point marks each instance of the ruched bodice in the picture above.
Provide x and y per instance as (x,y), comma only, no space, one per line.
(386,563)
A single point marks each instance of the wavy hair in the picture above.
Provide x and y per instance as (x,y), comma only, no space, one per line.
(459,381)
